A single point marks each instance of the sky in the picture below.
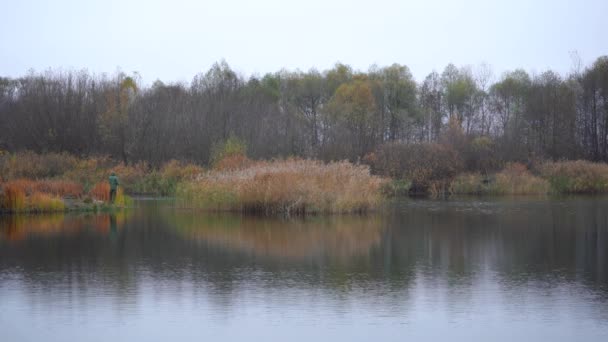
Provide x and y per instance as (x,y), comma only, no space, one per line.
(175,40)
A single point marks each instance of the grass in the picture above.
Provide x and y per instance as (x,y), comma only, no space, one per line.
(17,199)
(290,187)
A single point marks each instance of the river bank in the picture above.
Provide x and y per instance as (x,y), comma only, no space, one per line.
(36,183)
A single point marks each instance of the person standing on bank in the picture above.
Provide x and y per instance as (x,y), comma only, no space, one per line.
(113,186)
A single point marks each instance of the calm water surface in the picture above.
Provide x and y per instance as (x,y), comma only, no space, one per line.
(499,270)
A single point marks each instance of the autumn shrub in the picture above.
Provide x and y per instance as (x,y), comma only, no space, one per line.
(576,176)
(429,167)
(292,186)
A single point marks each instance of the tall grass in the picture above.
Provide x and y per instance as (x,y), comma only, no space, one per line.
(569,177)
(292,186)
(514,179)
(16,199)
(24,195)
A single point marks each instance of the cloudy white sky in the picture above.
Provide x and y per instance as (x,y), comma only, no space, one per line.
(174,40)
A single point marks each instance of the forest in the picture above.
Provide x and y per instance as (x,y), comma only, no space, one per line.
(336,114)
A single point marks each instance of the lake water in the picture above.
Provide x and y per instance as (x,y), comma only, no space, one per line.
(458,270)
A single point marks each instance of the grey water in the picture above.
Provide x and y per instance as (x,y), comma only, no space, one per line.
(459,270)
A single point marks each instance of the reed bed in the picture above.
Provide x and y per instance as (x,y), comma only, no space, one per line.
(33,196)
(291,187)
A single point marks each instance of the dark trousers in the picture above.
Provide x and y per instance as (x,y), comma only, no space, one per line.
(112,195)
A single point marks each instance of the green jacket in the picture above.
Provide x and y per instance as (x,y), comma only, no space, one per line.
(113,182)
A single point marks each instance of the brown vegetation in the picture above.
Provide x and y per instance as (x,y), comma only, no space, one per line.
(429,167)
(293,186)
(36,196)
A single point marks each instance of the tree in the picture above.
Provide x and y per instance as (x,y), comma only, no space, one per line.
(431,98)
(114,121)
(396,100)
(354,105)
(305,91)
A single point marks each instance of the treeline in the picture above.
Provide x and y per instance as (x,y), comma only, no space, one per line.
(335,114)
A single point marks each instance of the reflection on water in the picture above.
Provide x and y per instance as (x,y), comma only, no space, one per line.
(340,237)
(492,269)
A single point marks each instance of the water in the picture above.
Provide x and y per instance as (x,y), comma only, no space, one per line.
(500,270)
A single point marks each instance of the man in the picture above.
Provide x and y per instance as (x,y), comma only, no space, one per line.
(113,186)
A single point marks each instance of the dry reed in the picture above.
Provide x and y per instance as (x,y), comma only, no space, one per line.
(292,186)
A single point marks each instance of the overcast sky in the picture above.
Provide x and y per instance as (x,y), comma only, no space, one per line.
(174,40)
